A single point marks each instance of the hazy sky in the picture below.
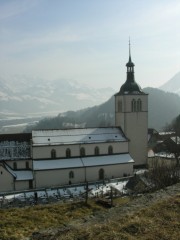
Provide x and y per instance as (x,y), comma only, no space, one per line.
(87,40)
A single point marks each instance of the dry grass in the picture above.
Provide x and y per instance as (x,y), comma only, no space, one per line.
(159,221)
(16,223)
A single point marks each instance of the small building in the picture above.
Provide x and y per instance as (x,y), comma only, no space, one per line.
(165,151)
(161,159)
(15,162)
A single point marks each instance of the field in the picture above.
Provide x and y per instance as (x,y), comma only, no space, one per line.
(152,216)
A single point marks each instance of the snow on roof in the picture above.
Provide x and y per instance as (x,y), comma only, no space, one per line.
(176,139)
(57,164)
(10,150)
(71,136)
(164,155)
(82,162)
(21,174)
(107,160)
(150,153)
(166,133)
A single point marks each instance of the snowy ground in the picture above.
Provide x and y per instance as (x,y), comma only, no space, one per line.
(69,193)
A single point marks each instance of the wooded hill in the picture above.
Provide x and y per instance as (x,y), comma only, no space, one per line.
(163,108)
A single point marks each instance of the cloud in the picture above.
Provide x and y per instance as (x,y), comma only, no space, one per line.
(13,8)
(35,42)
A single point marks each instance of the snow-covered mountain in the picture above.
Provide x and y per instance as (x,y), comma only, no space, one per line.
(173,85)
(25,96)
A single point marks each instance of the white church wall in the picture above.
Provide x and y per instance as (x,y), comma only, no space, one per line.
(44,152)
(111,171)
(138,136)
(6,180)
(21,185)
(21,164)
(51,178)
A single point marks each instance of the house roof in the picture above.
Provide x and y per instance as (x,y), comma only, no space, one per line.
(176,140)
(21,174)
(11,150)
(72,136)
(82,162)
(17,137)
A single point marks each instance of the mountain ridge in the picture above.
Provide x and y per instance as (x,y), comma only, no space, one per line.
(103,115)
(88,107)
(25,95)
(173,85)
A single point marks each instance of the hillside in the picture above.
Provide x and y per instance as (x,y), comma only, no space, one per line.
(148,216)
(163,108)
(24,101)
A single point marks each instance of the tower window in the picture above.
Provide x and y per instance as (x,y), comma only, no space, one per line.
(82,152)
(53,153)
(68,153)
(139,105)
(96,151)
(136,106)
(110,150)
(133,105)
(119,106)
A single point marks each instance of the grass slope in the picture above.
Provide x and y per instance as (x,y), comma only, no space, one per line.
(160,220)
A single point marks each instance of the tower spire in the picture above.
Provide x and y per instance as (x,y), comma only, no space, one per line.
(129,50)
(130,86)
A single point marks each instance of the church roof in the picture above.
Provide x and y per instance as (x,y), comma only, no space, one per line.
(130,87)
(77,136)
(20,175)
(82,162)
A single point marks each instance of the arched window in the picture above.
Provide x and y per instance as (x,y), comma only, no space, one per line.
(101,174)
(110,150)
(139,105)
(82,152)
(133,105)
(68,153)
(119,106)
(27,165)
(71,174)
(53,153)
(96,151)
(15,165)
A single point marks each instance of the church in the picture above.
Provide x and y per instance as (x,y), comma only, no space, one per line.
(50,158)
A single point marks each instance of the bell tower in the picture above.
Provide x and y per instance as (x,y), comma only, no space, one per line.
(131,114)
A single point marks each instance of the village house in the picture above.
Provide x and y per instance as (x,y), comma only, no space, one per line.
(165,151)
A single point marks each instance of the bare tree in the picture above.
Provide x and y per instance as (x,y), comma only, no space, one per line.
(163,174)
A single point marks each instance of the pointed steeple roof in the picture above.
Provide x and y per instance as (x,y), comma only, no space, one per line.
(130,63)
(130,86)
